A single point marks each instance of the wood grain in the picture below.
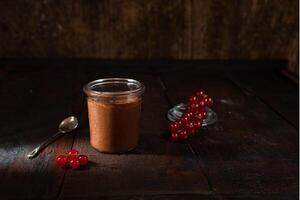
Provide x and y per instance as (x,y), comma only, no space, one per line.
(34,100)
(194,197)
(275,91)
(153,29)
(250,150)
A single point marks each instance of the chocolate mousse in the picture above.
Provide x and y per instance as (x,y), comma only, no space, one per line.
(114,112)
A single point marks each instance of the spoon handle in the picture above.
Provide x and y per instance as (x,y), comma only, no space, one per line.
(43,145)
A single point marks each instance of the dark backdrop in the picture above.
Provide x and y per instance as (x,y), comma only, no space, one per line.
(150,29)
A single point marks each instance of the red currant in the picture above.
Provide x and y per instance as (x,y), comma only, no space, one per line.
(190,127)
(198,115)
(83,159)
(72,152)
(202,103)
(179,123)
(173,127)
(183,134)
(193,99)
(197,124)
(74,163)
(190,114)
(191,120)
(204,114)
(206,101)
(62,161)
(185,119)
(195,107)
(200,94)
(174,137)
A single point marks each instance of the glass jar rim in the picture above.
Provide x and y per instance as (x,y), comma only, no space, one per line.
(88,88)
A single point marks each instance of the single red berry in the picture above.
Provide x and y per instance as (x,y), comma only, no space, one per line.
(179,123)
(198,116)
(193,99)
(183,134)
(173,127)
(74,163)
(72,152)
(202,103)
(204,114)
(185,119)
(197,125)
(200,94)
(83,159)
(206,101)
(191,107)
(195,107)
(174,137)
(62,161)
(188,125)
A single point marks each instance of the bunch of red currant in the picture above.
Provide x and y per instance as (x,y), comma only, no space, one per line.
(72,160)
(191,120)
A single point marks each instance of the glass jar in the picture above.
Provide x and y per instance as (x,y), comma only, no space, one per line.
(114,107)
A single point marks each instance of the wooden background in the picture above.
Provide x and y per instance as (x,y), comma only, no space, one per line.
(151,29)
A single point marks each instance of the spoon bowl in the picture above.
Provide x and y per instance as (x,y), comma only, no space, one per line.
(68,124)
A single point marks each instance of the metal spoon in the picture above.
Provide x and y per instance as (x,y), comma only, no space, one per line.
(67,125)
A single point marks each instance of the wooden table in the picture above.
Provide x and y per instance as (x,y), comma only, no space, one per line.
(252,151)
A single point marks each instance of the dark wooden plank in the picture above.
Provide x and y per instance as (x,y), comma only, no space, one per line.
(33,102)
(173,29)
(282,96)
(152,197)
(251,150)
(194,197)
(265,197)
(155,167)
(94,29)
(242,29)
